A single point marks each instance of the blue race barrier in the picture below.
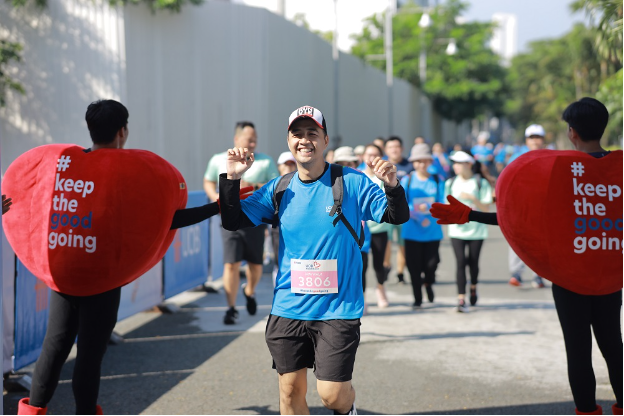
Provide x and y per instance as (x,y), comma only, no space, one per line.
(187,260)
(144,293)
(32,302)
(216,248)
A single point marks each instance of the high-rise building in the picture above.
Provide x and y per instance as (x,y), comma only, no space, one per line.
(505,37)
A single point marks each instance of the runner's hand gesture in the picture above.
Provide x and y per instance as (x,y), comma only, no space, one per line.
(6,204)
(385,171)
(238,161)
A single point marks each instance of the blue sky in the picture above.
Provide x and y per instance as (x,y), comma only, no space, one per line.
(537,19)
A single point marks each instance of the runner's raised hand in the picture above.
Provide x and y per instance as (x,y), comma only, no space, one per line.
(238,161)
(385,171)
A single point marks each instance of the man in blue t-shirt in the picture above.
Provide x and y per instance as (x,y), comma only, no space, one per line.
(318,302)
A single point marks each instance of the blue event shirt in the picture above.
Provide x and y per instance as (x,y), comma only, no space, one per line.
(481,153)
(427,191)
(307,233)
(522,150)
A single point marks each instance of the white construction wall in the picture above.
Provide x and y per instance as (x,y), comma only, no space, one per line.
(186,79)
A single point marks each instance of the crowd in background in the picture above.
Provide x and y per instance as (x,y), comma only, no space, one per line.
(429,174)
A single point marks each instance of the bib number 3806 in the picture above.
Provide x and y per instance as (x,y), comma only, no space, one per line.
(314,277)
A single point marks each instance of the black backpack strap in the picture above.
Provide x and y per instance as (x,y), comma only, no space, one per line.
(280,188)
(338,192)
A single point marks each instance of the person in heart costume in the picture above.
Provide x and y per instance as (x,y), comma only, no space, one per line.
(569,230)
(87,222)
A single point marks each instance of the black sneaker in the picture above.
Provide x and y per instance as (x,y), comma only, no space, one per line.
(473,296)
(230,316)
(401,279)
(352,411)
(252,305)
(429,289)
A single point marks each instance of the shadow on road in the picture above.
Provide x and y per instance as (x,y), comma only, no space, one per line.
(554,408)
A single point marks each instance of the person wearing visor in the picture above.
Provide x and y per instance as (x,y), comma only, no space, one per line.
(534,139)
(421,233)
(318,298)
(467,239)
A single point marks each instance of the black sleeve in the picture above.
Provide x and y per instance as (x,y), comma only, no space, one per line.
(232,216)
(483,217)
(398,209)
(190,216)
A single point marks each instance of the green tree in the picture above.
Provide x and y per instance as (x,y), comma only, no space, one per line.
(606,16)
(462,86)
(552,74)
(9,51)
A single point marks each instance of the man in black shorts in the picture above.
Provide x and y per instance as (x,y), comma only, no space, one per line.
(245,244)
(318,298)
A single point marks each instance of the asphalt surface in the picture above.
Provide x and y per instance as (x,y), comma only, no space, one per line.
(506,356)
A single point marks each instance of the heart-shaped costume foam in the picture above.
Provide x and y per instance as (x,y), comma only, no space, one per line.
(561,212)
(85,223)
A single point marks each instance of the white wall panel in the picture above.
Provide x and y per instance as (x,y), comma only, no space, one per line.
(73,54)
(187,77)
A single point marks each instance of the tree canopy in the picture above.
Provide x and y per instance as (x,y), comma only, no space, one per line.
(584,62)
(461,86)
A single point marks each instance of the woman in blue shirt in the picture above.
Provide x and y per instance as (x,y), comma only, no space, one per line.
(421,233)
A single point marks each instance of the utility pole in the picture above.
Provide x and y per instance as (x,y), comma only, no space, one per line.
(281,8)
(389,60)
(336,56)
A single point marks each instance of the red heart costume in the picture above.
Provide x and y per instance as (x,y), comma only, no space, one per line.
(561,212)
(86,223)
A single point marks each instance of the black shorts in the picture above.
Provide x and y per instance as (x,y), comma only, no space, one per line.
(327,346)
(246,244)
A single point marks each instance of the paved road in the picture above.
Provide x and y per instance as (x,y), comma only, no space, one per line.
(504,357)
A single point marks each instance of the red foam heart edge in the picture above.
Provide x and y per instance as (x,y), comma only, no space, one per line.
(561,212)
(88,222)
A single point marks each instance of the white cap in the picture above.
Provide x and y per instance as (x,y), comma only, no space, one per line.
(286,157)
(462,157)
(309,112)
(345,154)
(534,130)
(483,135)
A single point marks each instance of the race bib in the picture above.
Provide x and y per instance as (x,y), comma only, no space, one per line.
(314,277)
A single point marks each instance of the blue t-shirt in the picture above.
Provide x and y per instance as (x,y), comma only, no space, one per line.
(422,226)
(307,233)
(481,153)
(367,239)
(404,168)
(521,150)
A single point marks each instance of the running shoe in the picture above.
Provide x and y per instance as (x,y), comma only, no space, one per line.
(515,280)
(473,296)
(252,305)
(429,289)
(401,279)
(353,411)
(416,306)
(538,283)
(230,316)
(462,307)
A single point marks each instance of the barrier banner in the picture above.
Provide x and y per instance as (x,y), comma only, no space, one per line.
(216,248)
(32,304)
(8,305)
(186,262)
(141,294)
